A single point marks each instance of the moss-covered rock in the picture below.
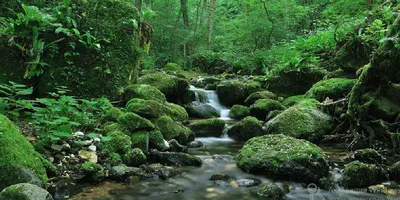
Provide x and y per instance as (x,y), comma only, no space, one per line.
(134,122)
(384,108)
(93,171)
(156,141)
(134,157)
(175,159)
(394,172)
(149,109)
(360,175)
(253,97)
(112,114)
(25,191)
(334,88)
(370,156)
(294,82)
(171,86)
(283,157)
(239,112)
(173,67)
(207,127)
(140,140)
(18,157)
(142,91)
(293,100)
(262,107)
(231,92)
(302,121)
(174,130)
(270,191)
(253,86)
(201,110)
(176,112)
(114,127)
(120,143)
(248,128)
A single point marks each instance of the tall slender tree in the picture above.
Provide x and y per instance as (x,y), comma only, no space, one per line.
(211,12)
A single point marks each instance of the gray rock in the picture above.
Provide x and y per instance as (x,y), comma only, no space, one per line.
(247,182)
(195,144)
(123,172)
(25,191)
(221,177)
(176,147)
(201,110)
(175,159)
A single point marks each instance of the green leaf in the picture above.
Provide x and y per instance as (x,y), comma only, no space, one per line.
(28,91)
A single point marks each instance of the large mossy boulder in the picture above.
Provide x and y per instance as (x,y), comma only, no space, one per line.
(142,91)
(19,163)
(248,128)
(175,159)
(95,73)
(253,97)
(25,191)
(261,108)
(239,112)
(201,110)
(303,121)
(335,88)
(176,112)
(384,108)
(293,82)
(284,158)
(134,122)
(174,88)
(270,191)
(360,175)
(293,100)
(370,156)
(231,92)
(171,129)
(148,109)
(207,127)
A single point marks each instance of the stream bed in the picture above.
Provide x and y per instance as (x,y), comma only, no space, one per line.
(218,158)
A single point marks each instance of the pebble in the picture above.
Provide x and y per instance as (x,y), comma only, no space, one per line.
(92,148)
(78,134)
(56,147)
(66,146)
(97,139)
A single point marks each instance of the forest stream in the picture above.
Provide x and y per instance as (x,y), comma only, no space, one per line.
(217,155)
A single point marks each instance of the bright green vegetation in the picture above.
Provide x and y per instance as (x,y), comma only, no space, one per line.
(359,175)
(149,109)
(262,107)
(17,154)
(134,122)
(335,88)
(247,128)
(239,112)
(143,91)
(301,121)
(259,95)
(293,100)
(176,112)
(13,194)
(283,157)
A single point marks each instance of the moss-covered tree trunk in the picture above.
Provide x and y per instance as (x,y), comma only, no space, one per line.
(375,78)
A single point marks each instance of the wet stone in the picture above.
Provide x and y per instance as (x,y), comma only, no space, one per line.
(247,182)
(222,177)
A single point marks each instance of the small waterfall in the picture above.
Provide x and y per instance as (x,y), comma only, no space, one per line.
(210,97)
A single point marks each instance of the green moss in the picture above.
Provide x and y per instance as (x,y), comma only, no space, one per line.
(207,127)
(293,100)
(368,156)
(120,143)
(283,157)
(112,114)
(270,191)
(250,100)
(253,86)
(114,127)
(171,86)
(248,128)
(17,154)
(134,122)
(358,175)
(176,112)
(90,168)
(140,140)
(142,91)
(239,112)
(13,193)
(262,107)
(134,157)
(173,67)
(156,139)
(301,121)
(149,109)
(334,88)
(173,130)
(229,98)
(394,172)
(384,108)
(114,159)
(103,103)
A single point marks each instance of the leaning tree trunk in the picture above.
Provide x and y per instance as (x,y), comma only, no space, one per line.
(211,12)
(372,84)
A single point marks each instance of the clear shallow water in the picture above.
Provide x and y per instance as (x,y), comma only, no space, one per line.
(210,97)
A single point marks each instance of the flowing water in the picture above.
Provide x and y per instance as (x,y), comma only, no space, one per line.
(218,157)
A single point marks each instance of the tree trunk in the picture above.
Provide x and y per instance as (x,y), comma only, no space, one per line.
(196,25)
(138,4)
(185,17)
(211,12)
